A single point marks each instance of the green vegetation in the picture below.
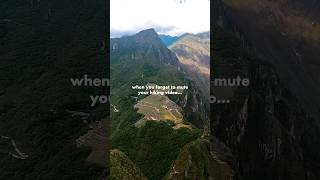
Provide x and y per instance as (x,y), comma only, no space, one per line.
(191,163)
(155,146)
(123,168)
(154,142)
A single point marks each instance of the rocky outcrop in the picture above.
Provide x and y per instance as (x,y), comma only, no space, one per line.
(97,139)
(265,126)
(284,33)
(195,107)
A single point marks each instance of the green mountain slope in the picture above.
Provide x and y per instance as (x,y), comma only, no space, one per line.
(123,168)
(142,59)
(191,163)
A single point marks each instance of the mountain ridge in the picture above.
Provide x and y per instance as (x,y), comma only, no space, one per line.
(168,39)
(193,52)
(142,43)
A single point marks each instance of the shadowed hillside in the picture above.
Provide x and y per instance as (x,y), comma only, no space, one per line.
(193,52)
(43,45)
(270,129)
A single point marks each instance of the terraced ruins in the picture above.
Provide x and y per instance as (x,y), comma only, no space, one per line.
(160,108)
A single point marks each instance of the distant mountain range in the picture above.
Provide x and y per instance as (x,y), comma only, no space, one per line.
(167,39)
(193,52)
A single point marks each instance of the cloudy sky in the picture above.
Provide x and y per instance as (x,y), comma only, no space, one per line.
(173,17)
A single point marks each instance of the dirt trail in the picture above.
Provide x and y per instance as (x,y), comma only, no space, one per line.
(115,109)
(18,154)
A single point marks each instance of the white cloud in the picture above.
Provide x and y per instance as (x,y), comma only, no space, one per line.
(172,17)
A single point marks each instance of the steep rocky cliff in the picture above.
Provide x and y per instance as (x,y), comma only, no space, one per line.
(268,132)
(285,33)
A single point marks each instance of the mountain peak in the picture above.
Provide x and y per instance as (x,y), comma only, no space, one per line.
(148,31)
(148,35)
(146,42)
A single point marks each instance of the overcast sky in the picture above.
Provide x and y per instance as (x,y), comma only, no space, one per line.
(173,17)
